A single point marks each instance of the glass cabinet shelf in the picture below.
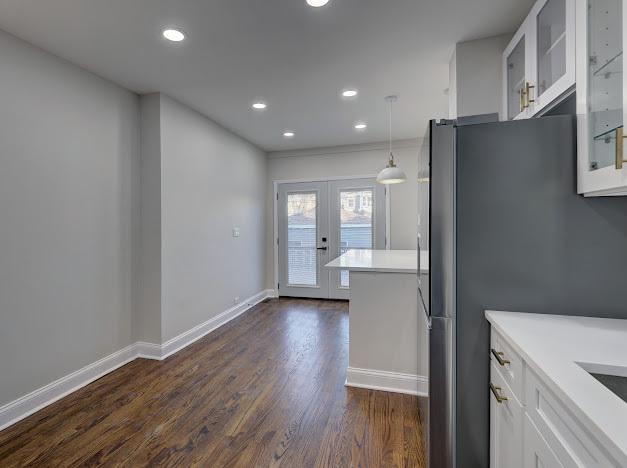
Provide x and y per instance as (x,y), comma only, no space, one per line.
(608,135)
(611,66)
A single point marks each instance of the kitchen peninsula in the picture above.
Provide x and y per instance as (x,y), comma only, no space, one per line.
(387,334)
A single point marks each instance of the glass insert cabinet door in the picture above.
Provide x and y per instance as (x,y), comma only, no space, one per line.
(601,94)
(551,38)
(515,77)
(553,69)
(539,61)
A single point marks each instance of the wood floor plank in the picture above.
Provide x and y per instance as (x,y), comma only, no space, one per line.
(265,390)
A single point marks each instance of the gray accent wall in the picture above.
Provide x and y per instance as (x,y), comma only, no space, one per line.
(69,192)
(527,243)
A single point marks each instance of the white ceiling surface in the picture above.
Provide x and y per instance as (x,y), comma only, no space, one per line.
(295,57)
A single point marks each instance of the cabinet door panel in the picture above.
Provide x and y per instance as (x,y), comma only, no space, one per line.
(515,78)
(600,97)
(505,425)
(536,452)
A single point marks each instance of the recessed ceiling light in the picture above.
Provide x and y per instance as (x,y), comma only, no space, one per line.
(259,105)
(349,93)
(360,126)
(288,134)
(173,35)
(317,3)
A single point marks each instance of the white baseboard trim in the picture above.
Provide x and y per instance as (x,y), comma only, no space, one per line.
(26,405)
(387,381)
(186,338)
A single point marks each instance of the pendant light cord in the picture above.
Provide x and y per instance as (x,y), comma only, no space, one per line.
(390,133)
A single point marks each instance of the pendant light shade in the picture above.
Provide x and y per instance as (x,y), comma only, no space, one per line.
(391,174)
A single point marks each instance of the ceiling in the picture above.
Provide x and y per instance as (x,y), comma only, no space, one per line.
(296,58)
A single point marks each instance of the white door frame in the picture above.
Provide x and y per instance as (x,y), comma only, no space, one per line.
(275,215)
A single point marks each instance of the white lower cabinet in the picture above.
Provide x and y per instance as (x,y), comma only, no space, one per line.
(536,452)
(529,426)
(505,424)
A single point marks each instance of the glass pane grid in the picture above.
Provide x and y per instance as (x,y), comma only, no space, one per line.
(302,259)
(356,223)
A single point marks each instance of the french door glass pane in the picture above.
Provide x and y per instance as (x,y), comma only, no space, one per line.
(551,44)
(356,223)
(515,78)
(605,75)
(302,261)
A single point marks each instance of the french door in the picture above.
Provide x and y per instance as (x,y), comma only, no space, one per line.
(319,221)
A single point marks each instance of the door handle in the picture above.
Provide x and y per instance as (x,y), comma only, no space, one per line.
(321,248)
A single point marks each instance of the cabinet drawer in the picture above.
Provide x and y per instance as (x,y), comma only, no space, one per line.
(571,442)
(536,452)
(506,414)
(509,364)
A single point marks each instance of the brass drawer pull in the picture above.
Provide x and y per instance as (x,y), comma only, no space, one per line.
(528,89)
(619,148)
(496,391)
(499,357)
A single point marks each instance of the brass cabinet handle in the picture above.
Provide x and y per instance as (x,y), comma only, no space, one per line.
(499,357)
(521,93)
(496,391)
(528,89)
(619,148)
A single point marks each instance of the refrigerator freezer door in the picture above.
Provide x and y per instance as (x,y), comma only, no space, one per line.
(441,418)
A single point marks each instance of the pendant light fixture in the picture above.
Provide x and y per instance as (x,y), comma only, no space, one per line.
(391,174)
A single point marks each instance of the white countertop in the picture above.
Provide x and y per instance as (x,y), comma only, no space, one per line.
(553,345)
(386,261)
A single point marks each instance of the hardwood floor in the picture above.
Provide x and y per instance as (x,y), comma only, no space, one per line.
(265,390)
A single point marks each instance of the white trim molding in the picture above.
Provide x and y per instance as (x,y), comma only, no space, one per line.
(34,401)
(387,381)
(322,151)
(26,405)
(160,352)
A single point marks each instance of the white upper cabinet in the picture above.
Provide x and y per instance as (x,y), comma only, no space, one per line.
(516,73)
(539,62)
(601,86)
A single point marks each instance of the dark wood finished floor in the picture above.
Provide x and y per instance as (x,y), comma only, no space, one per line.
(267,389)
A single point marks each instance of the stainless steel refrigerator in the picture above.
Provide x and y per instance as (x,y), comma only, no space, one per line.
(499,194)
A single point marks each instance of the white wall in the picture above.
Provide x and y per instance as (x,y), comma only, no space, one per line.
(69,180)
(477,66)
(212,181)
(350,161)
(148,311)
(452,86)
